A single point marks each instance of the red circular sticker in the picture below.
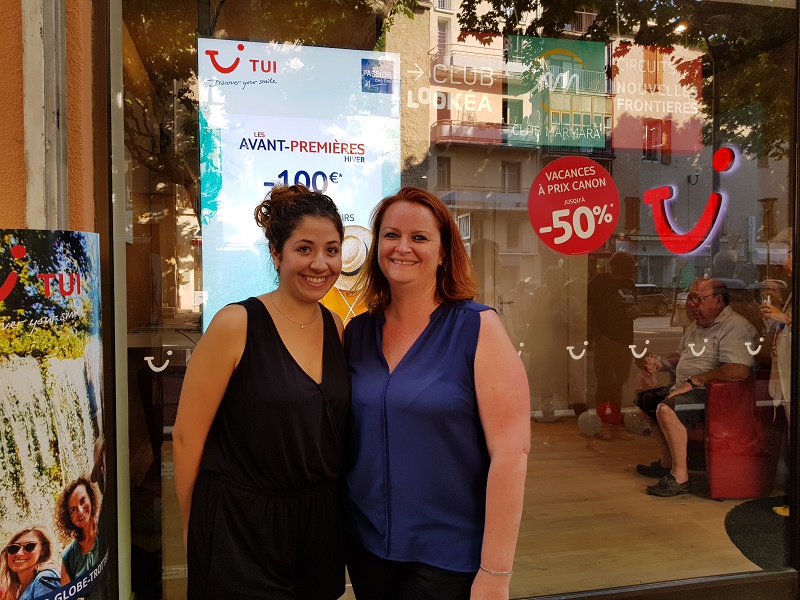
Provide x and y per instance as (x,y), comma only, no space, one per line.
(573,205)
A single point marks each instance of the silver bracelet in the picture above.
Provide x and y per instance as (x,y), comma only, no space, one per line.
(502,573)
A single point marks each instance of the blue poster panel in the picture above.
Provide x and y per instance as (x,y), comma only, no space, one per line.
(52,456)
(281,114)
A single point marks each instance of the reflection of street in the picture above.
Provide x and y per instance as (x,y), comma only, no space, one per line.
(663,337)
(651,332)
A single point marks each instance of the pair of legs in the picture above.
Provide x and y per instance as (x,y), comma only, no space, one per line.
(784,509)
(376,578)
(612,366)
(673,417)
(248,545)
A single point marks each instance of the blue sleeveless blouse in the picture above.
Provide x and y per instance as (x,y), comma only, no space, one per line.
(417,461)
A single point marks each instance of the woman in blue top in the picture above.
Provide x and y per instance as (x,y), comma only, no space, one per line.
(26,572)
(438,449)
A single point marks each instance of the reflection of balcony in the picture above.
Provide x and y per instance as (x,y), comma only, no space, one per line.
(580,23)
(558,79)
(454,64)
(478,199)
(467,133)
(449,132)
(606,151)
(467,58)
(492,135)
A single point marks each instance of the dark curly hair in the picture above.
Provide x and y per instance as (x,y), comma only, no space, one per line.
(66,529)
(280,213)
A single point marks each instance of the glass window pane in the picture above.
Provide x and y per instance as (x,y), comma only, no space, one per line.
(621,193)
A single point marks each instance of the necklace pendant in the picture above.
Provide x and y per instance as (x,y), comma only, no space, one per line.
(302,326)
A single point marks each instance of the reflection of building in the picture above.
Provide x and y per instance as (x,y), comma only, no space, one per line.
(559,89)
(500,109)
(657,140)
(472,117)
(525,101)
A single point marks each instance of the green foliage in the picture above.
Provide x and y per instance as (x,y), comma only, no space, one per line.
(43,342)
(403,8)
(747,48)
(485,18)
(13,468)
(160,81)
(56,474)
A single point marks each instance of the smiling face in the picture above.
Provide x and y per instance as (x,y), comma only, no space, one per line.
(25,559)
(409,245)
(80,507)
(311,260)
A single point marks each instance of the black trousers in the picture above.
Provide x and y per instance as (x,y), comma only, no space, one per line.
(376,578)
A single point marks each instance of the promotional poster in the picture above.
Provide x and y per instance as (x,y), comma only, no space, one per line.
(52,458)
(279,114)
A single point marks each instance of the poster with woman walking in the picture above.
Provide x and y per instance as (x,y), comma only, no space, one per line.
(52,449)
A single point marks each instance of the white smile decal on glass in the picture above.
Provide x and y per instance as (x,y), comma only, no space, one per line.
(579,356)
(703,349)
(633,349)
(750,349)
(149,361)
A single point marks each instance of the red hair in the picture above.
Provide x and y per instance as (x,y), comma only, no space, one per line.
(455,278)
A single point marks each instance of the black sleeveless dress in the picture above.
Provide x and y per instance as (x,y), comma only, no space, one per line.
(266,515)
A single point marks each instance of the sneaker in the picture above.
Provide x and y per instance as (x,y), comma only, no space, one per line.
(668,487)
(781,510)
(654,469)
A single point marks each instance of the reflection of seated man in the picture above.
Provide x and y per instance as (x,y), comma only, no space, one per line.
(712,349)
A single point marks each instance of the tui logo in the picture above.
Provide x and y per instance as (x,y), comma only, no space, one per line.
(684,243)
(17,252)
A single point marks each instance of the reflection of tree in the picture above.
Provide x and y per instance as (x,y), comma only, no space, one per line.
(747,48)
(162,118)
(159,45)
(160,106)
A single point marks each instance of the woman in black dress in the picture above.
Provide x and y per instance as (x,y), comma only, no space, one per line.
(257,439)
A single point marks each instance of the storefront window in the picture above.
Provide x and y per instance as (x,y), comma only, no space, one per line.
(622,175)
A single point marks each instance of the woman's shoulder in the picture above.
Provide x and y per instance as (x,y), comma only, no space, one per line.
(362,319)
(232,318)
(46,581)
(69,551)
(236,312)
(48,574)
(335,318)
(471,306)
(362,328)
